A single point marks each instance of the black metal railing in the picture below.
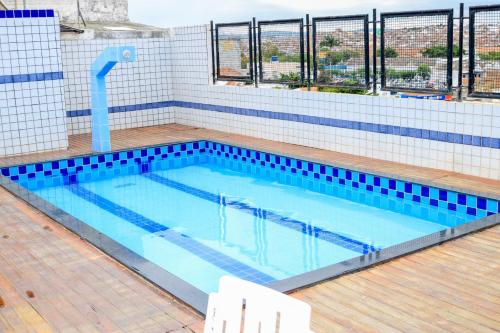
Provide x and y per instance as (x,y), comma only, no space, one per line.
(340,51)
(234,53)
(418,51)
(484,51)
(281,51)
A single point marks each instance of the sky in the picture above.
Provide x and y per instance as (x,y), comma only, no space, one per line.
(176,13)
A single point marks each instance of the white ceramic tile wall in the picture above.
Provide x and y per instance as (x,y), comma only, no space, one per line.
(32,117)
(143,81)
(178,68)
(191,73)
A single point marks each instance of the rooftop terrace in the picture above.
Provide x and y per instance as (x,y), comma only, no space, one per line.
(384,184)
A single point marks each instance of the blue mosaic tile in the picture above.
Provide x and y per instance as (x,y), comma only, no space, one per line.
(392,187)
(314,172)
(481,203)
(34,13)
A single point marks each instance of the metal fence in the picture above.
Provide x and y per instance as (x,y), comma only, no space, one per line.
(234,51)
(484,51)
(418,51)
(281,51)
(340,51)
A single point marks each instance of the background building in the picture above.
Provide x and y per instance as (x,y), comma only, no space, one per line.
(90,10)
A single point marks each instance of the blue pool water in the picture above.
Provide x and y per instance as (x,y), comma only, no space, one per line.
(204,210)
(202,220)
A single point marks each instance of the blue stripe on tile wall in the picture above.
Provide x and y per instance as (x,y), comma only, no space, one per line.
(33,13)
(19,78)
(124,108)
(418,133)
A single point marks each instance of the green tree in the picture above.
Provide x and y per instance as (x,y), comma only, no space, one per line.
(407,74)
(269,49)
(292,79)
(402,74)
(325,77)
(244,61)
(343,90)
(329,41)
(492,55)
(336,57)
(389,52)
(291,57)
(356,74)
(424,71)
(440,51)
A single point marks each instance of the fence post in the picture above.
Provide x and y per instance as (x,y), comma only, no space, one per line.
(308,54)
(254,30)
(302,69)
(449,78)
(366,39)
(472,53)
(250,52)
(213,55)
(374,30)
(382,53)
(315,65)
(261,75)
(460,50)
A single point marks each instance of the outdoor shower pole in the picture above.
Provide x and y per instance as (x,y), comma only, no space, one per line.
(102,65)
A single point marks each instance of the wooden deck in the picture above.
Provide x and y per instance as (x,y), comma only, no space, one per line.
(52,281)
(454,287)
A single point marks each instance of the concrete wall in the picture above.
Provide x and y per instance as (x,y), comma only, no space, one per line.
(92,10)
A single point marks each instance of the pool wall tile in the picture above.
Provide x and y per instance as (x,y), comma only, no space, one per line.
(176,155)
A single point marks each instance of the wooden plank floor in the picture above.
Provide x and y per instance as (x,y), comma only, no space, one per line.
(454,287)
(76,287)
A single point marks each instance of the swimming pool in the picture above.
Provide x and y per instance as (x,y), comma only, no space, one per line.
(185,214)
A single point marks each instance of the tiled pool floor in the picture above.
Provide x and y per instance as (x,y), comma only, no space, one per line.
(451,287)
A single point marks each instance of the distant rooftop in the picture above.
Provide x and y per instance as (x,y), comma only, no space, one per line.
(90,10)
(115,30)
(106,19)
